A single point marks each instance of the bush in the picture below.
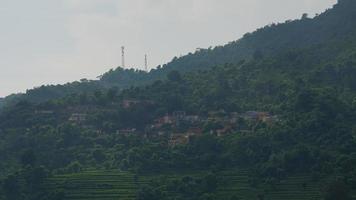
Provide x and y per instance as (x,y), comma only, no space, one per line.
(337,190)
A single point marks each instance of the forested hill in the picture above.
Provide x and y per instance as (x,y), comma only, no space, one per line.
(287,114)
(310,95)
(334,24)
(338,22)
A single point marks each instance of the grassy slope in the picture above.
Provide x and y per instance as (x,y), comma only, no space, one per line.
(95,185)
(110,185)
(292,188)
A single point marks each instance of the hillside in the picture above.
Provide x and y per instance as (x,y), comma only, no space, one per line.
(103,184)
(265,42)
(276,38)
(1,102)
(274,126)
(309,130)
(334,24)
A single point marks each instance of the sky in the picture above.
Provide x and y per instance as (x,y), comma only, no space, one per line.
(59,41)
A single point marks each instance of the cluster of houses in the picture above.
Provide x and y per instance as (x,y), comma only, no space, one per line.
(128,103)
(179,126)
(78,118)
(44,112)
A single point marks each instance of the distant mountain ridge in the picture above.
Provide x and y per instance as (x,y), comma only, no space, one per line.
(334,24)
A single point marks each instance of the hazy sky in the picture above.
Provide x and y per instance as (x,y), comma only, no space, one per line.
(56,41)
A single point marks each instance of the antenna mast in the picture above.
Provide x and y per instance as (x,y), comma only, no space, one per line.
(123,57)
(146,63)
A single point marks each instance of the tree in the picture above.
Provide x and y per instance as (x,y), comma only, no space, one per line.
(12,188)
(305,16)
(211,182)
(207,196)
(258,55)
(74,167)
(28,158)
(174,76)
(337,190)
(150,193)
(111,94)
(99,155)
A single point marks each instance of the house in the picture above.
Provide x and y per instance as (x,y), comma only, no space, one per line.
(44,112)
(126,132)
(81,109)
(270,119)
(78,117)
(224,131)
(260,117)
(219,115)
(179,115)
(167,119)
(178,139)
(264,116)
(196,131)
(255,115)
(161,133)
(234,117)
(132,102)
(192,118)
(129,103)
(99,132)
(250,115)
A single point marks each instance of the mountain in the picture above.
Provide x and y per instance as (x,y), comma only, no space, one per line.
(277,125)
(334,24)
(1,102)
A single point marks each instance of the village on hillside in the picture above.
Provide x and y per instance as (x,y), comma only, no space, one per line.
(179,127)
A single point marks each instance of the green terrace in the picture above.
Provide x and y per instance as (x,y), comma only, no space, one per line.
(116,185)
(95,185)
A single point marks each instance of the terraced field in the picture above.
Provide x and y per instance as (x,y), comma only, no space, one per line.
(96,185)
(294,188)
(235,183)
(115,185)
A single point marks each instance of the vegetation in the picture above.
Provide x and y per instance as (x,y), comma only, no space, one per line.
(1,103)
(268,41)
(96,185)
(304,83)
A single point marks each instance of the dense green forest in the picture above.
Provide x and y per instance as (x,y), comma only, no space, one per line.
(1,102)
(270,116)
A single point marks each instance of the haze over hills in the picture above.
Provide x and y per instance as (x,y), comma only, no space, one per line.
(270,116)
(267,41)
